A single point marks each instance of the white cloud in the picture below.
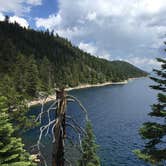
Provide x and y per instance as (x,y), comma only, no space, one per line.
(34,2)
(50,22)
(93,50)
(69,33)
(88,47)
(91,16)
(2,17)
(120,27)
(105,55)
(153,6)
(18,7)
(144,62)
(21,21)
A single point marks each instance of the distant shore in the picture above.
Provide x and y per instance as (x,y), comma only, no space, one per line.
(82,86)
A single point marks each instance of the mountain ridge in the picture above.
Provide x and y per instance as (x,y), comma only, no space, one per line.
(57,60)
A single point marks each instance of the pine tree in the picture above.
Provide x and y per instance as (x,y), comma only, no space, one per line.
(32,77)
(19,73)
(11,148)
(46,74)
(89,156)
(155,132)
(8,90)
(15,101)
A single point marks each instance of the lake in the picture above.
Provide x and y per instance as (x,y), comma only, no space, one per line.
(116,113)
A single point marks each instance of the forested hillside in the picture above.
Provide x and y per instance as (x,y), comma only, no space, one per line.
(31,61)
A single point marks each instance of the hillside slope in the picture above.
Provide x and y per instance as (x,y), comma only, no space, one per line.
(54,60)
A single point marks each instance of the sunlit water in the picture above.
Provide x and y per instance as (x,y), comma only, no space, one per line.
(116,112)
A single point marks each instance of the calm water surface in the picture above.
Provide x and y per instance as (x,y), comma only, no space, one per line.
(116,112)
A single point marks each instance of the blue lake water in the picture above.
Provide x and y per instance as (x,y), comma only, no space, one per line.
(116,112)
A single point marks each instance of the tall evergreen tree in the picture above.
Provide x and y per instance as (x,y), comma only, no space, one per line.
(19,73)
(8,90)
(11,148)
(89,156)
(32,77)
(15,101)
(155,132)
(46,74)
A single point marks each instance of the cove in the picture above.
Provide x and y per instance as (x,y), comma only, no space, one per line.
(116,112)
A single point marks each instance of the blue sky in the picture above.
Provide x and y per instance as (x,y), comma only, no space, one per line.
(43,11)
(130,30)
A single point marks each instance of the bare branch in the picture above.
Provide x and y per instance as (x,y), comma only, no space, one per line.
(80,104)
(49,118)
(78,133)
(52,131)
(42,129)
(70,100)
(42,109)
(75,128)
(80,142)
(43,112)
(68,161)
(56,123)
(75,123)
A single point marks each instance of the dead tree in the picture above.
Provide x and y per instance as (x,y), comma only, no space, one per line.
(58,125)
(59,130)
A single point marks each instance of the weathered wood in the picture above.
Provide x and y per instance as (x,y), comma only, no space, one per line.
(59,130)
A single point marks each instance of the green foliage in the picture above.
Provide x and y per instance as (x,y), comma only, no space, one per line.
(54,62)
(16,105)
(155,132)
(89,156)
(31,77)
(19,73)
(144,156)
(11,148)
(8,90)
(46,75)
(33,61)
(26,76)
(152,130)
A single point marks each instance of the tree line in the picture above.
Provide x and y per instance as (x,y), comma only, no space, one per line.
(33,61)
(22,77)
(38,60)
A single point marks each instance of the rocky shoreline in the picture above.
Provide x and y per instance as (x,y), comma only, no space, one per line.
(53,97)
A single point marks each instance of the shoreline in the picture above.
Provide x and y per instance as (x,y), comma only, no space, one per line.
(82,86)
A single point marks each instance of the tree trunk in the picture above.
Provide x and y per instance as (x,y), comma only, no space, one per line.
(59,130)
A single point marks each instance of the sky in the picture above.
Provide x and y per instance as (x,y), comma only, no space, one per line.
(130,30)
